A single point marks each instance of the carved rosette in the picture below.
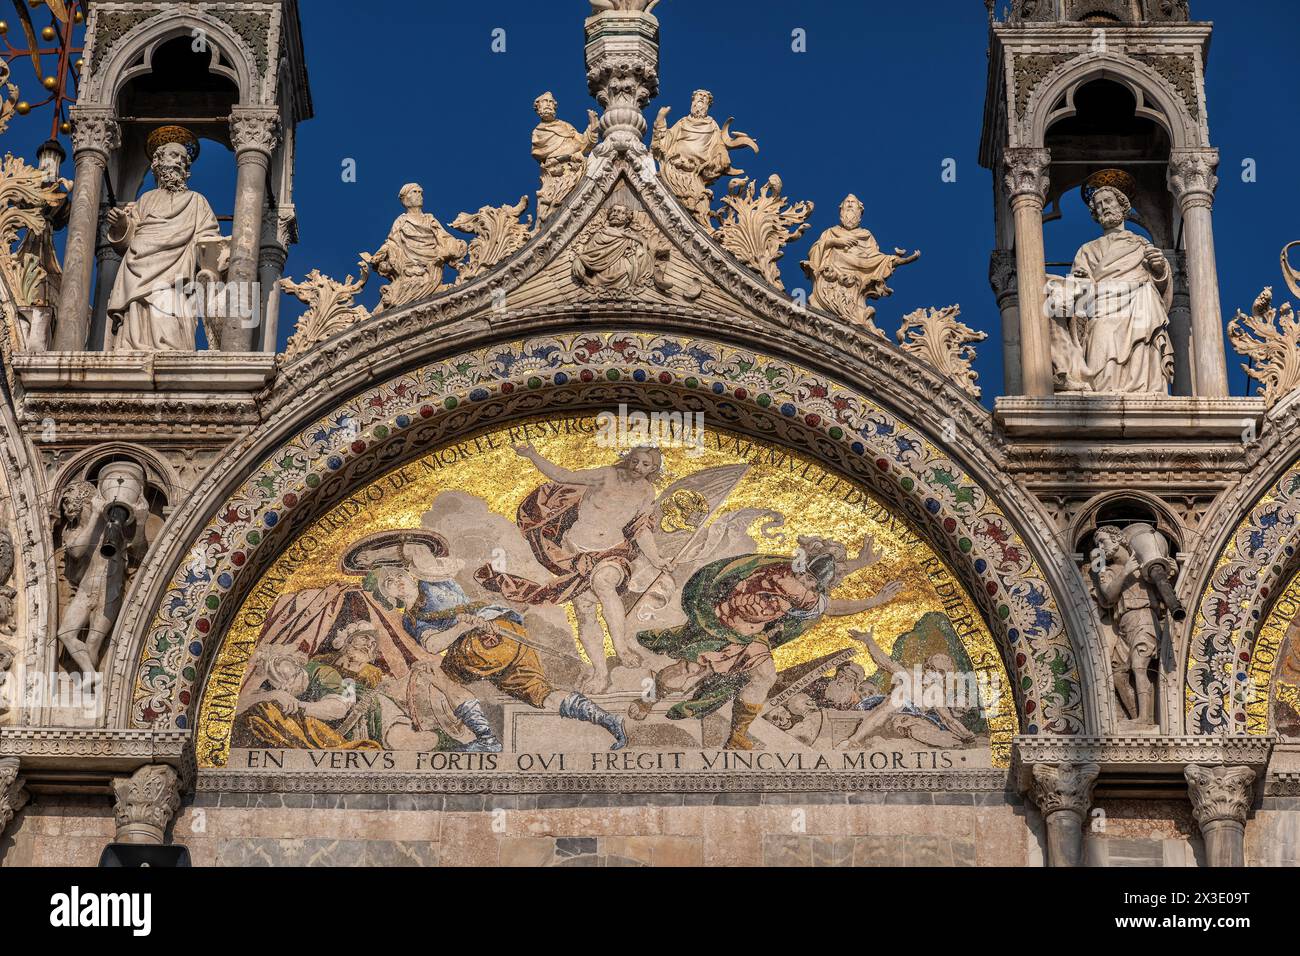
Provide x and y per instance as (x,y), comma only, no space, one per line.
(1192,177)
(145,803)
(1026,174)
(254,130)
(95,134)
(1063,786)
(623,72)
(1220,793)
(13,791)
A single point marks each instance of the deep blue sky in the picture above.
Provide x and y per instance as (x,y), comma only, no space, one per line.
(885,93)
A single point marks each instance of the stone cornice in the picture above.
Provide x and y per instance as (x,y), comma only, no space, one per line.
(93,750)
(1155,755)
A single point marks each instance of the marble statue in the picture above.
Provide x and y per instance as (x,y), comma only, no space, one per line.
(1111,332)
(162,238)
(413,256)
(105,527)
(1133,585)
(847,267)
(695,153)
(623,254)
(561,152)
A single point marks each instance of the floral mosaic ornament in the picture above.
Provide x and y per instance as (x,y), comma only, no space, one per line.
(1251,571)
(371,432)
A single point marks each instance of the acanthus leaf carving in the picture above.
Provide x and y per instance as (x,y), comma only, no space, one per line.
(330,307)
(1270,339)
(937,337)
(757,226)
(498,235)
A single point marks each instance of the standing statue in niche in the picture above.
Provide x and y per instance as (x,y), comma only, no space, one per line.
(168,239)
(1111,333)
(104,533)
(413,256)
(1133,582)
(561,151)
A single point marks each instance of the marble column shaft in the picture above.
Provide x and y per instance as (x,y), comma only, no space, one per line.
(1192,180)
(1221,798)
(95,135)
(1027,182)
(255,135)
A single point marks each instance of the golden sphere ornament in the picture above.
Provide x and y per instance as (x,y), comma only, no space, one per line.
(65,127)
(78,17)
(48,33)
(4,26)
(49,82)
(79,63)
(23,107)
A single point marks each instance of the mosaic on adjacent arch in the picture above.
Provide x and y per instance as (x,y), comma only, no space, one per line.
(1233,648)
(912,481)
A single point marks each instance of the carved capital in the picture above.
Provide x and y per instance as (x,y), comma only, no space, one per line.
(13,792)
(1002,274)
(1063,786)
(95,133)
(1192,177)
(1026,173)
(1220,793)
(254,130)
(145,803)
(623,71)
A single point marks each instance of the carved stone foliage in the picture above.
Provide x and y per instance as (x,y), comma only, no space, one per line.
(331,307)
(1220,793)
(695,153)
(7,592)
(1179,71)
(9,103)
(145,803)
(937,337)
(623,68)
(13,793)
(1192,176)
(1026,172)
(498,235)
(756,227)
(621,254)
(1031,69)
(257,130)
(1063,786)
(27,202)
(1270,339)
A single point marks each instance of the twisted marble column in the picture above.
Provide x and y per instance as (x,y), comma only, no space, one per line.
(1063,793)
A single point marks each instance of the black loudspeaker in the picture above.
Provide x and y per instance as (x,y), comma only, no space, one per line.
(136,855)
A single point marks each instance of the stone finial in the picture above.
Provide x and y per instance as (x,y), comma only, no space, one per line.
(1270,339)
(1220,793)
(935,336)
(145,803)
(623,67)
(1064,786)
(13,791)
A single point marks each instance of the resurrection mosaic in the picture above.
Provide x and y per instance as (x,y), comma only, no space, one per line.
(589,593)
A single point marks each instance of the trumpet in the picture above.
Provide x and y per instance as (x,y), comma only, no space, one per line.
(1157,567)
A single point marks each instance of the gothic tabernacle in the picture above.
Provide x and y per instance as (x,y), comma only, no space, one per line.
(586,511)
